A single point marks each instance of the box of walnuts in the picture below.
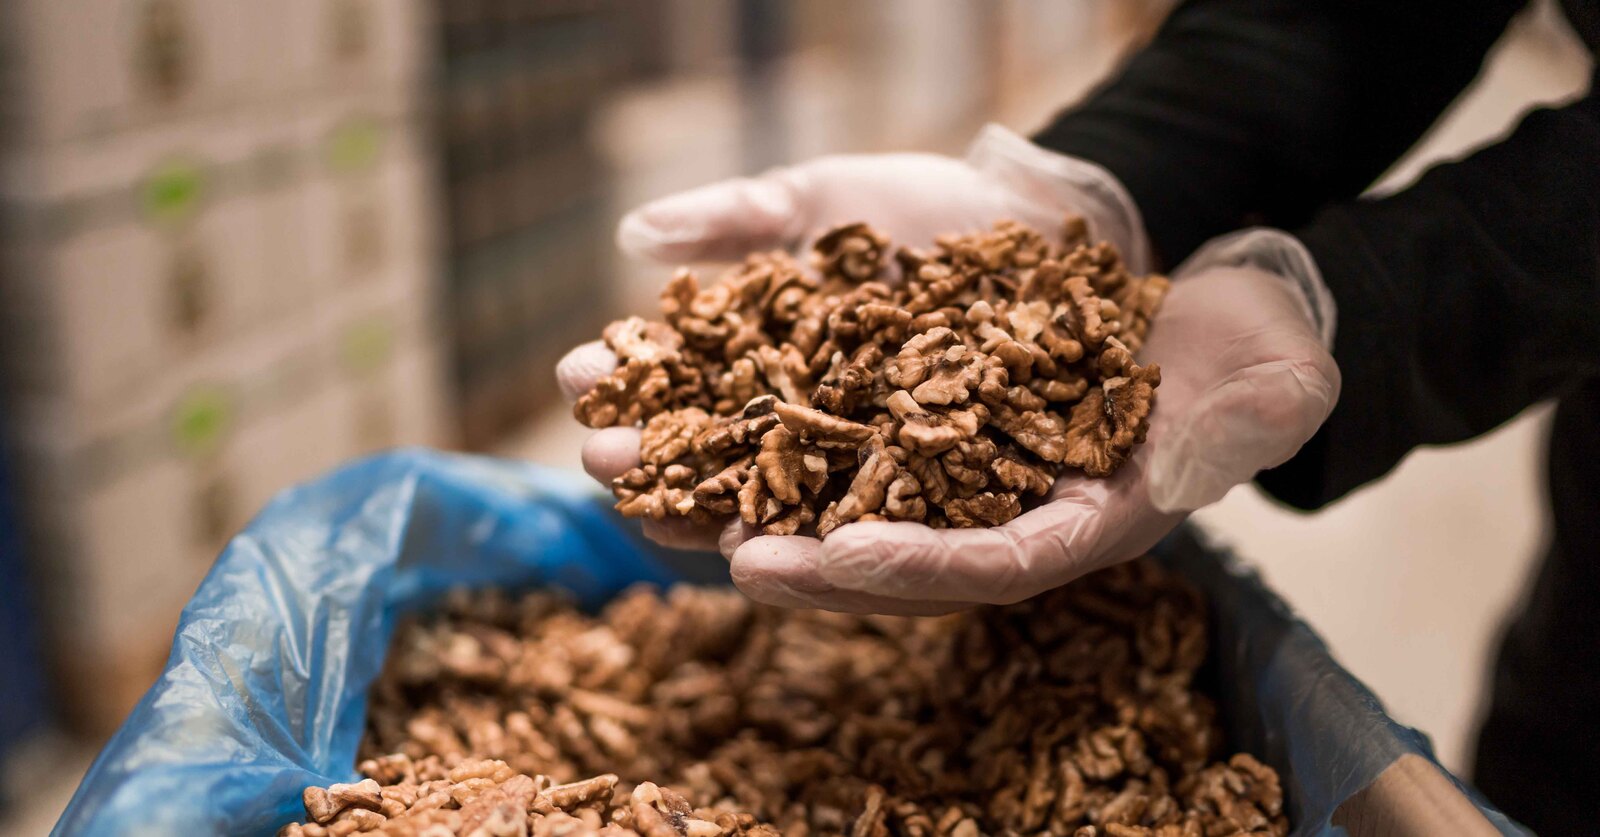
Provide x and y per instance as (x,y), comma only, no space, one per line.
(443,647)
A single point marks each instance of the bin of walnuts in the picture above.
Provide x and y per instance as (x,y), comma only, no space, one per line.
(946,387)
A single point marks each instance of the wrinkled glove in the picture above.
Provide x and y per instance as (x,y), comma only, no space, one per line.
(1243,341)
(1242,338)
(910,197)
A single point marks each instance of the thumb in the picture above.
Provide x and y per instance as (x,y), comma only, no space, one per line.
(580,369)
(719,222)
(1255,418)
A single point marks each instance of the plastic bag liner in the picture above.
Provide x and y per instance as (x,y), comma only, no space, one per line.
(265,690)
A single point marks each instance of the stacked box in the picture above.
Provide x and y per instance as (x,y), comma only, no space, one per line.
(528,237)
(218,250)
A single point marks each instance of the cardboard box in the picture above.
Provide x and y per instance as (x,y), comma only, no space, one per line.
(105,68)
(73,62)
(132,301)
(142,553)
(311,47)
(107,312)
(286,446)
(209,205)
(396,405)
(138,257)
(129,506)
(286,217)
(102,67)
(365,195)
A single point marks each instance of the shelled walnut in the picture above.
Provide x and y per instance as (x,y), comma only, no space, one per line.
(930,364)
(697,713)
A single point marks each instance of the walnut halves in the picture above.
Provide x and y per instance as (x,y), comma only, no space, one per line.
(696,712)
(802,401)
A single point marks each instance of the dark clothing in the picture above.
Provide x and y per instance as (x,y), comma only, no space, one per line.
(1538,746)
(1265,111)
(1462,300)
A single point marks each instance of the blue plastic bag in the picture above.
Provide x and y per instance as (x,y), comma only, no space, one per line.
(265,690)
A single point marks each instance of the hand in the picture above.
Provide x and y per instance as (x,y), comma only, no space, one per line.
(911,197)
(1242,340)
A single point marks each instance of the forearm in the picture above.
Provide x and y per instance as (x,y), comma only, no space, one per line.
(1261,111)
(1462,301)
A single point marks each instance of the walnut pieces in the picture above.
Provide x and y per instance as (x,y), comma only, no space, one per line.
(697,713)
(852,251)
(1106,424)
(981,368)
(322,805)
(986,509)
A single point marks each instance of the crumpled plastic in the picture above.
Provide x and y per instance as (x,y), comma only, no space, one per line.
(265,689)
(1285,699)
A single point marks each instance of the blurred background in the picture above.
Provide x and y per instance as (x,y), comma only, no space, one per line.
(241,242)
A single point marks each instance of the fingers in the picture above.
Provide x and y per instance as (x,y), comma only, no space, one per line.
(782,571)
(1256,418)
(1002,565)
(679,533)
(609,453)
(720,222)
(909,562)
(1251,380)
(734,535)
(580,369)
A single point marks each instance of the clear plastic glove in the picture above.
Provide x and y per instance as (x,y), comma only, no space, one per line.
(1242,340)
(1246,379)
(911,197)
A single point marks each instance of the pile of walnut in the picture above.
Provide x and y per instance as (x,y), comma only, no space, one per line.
(938,386)
(700,714)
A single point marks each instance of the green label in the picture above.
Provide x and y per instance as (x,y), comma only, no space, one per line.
(367,346)
(173,191)
(354,145)
(201,420)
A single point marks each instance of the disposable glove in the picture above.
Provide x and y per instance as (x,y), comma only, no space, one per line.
(1247,378)
(1243,343)
(910,197)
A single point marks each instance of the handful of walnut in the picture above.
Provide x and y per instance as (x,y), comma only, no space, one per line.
(938,386)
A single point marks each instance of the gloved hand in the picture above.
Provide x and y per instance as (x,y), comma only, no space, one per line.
(911,197)
(1246,379)
(1242,340)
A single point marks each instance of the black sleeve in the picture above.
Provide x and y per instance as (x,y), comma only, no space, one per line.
(1247,112)
(1462,300)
